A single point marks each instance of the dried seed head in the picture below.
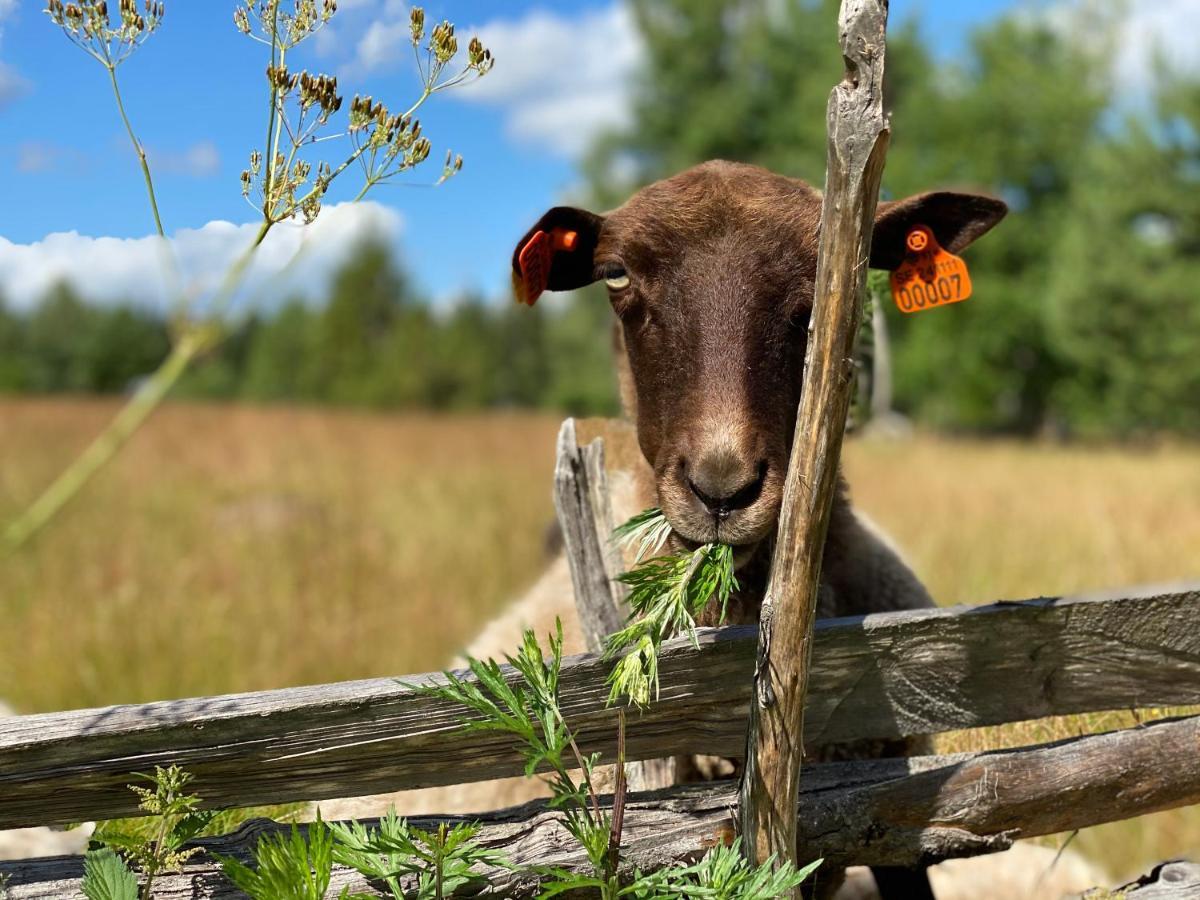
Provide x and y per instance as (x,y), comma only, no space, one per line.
(420,152)
(442,43)
(280,79)
(241,20)
(319,90)
(417,24)
(479,57)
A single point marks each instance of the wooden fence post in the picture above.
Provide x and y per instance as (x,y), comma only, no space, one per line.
(857,145)
(585,516)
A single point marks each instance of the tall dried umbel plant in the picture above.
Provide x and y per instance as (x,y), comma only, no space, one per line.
(288,176)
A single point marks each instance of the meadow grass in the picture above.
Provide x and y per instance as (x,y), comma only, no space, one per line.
(235,548)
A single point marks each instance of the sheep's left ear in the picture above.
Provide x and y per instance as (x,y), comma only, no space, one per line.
(957,221)
(556,254)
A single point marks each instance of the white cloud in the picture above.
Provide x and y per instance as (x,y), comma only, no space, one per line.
(1166,28)
(386,40)
(381,45)
(12,85)
(560,79)
(34,157)
(292,259)
(200,160)
(1136,37)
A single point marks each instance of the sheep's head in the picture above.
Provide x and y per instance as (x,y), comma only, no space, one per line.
(711,274)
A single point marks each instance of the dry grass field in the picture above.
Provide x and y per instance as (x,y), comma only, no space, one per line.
(232,548)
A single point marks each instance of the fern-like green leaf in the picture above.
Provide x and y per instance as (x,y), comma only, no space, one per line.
(666,595)
(287,865)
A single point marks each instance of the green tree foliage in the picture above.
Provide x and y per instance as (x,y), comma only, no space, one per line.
(275,364)
(13,374)
(68,345)
(1083,314)
(1025,111)
(372,341)
(1124,308)
(1015,121)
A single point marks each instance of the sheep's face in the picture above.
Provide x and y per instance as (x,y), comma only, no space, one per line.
(711,275)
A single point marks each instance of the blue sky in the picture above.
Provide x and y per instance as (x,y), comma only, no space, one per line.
(196,95)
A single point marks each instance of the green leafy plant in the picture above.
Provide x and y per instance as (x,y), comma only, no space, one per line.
(291,865)
(666,595)
(106,876)
(722,874)
(528,709)
(154,845)
(439,862)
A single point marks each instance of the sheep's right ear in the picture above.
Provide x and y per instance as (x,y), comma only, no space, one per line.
(556,254)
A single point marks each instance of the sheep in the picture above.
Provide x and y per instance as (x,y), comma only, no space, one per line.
(710,274)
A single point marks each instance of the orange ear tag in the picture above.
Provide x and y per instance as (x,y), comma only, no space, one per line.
(929,276)
(535,258)
(534,262)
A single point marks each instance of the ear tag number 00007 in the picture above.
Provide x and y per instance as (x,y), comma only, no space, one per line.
(929,276)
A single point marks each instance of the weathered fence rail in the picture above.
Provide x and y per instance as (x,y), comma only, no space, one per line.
(876,812)
(885,675)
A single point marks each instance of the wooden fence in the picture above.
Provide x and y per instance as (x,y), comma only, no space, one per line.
(889,675)
(879,676)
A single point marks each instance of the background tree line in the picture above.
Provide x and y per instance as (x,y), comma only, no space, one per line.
(1086,316)
(373,342)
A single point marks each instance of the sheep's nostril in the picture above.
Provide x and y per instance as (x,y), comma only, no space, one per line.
(722,506)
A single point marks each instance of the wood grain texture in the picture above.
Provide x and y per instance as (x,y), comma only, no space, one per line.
(884,675)
(1173,880)
(873,812)
(857,132)
(585,516)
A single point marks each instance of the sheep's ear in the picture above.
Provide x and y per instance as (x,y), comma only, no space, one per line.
(556,254)
(957,221)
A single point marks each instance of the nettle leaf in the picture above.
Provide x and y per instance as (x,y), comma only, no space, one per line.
(107,877)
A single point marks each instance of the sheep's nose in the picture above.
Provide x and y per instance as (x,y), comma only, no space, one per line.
(723,484)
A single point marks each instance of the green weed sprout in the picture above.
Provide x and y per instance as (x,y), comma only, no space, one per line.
(666,594)
(441,861)
(288,866)
(529,711)
(722,874)
(174,820)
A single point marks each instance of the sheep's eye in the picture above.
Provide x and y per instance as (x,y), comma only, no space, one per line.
(616,277)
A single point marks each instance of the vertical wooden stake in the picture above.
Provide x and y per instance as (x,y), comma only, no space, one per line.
(858,137)
(585,515)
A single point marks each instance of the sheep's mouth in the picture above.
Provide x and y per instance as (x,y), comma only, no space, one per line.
(742,553)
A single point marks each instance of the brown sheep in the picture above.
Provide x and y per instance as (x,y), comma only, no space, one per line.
(710,274)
